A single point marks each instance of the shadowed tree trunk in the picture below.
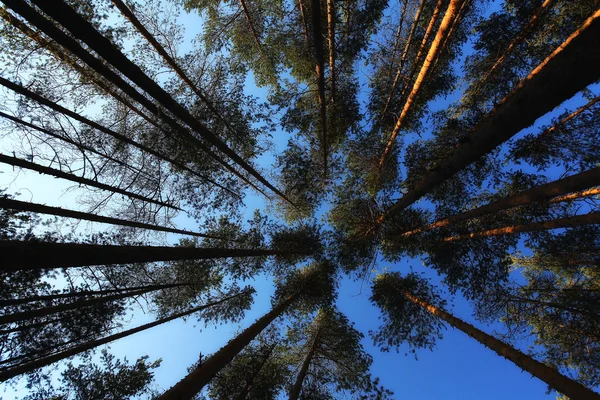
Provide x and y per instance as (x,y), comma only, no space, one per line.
(192,384)
(43,312)
(84,31)
(297,387)
(567,222)
(545,192)
(449,17)
(251,26)
(18,162)
(246,390)
(331,44)
(569,117)
(568,70)
(61,212)
(7,373)
(541,371)
(30,255)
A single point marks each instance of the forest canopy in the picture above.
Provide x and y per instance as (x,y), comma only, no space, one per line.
(268,199)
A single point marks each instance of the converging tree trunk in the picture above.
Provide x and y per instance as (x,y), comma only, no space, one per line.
(30,255)
(541,371)
(331,44)
(297,387)
(568,70)
(11,372)
(545,192)
(192,384)
(246,389)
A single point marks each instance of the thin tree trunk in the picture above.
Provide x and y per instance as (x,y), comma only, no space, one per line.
(244,393)
(398,33)
(18,162)
(527,29)
(84,31)
(193,383)
(7,373)
(81,147)
(404,55)
(331,44)
(540,193)
(569,69)
(50,104)
(449,17)
(541,371)
(566,222)
(315,13)
(297,387)
(81,293)
(251,25)
(569,117)
(576,195)
(77,304)
(305,24)
(61,212)
(30,255)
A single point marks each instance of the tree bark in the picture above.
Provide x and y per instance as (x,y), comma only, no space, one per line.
(30,255)
(44,312)
(567,222)
(8,373)
(569,69)
(251,25)
(18,162)
(540,193)
(331,45)
(61,212)
(84,31)
(193,383)
(550,376)
(449,17)
(297,387)
(569,117)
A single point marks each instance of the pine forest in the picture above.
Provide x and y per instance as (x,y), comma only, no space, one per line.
(299,199)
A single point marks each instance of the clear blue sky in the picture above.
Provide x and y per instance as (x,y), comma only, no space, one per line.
(459,368)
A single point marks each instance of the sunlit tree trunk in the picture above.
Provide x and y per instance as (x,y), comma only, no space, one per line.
(550,376)
(568,70)
(192,384)
(549,192)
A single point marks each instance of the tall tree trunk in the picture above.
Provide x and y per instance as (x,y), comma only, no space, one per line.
(34,96)
(305,24)
(83,293)
(193,383)
(81,147)
(405,54)
(566,222)
(449,17)
(251,26)
(297,387)
(540,193)
(18,162)
(315,13)
(541,371)
(569,69)
(84,31)
(576,195)
(61,212)
(331,45)
(246,389)
(527,29)
(455,23)
(77,304)
(8,373)
(569,117)
(30,255)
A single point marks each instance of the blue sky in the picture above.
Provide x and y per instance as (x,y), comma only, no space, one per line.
(459,368)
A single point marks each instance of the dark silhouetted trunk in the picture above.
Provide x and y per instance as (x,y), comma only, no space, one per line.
(297,387)
(315,13)
(331,44)
(244,393)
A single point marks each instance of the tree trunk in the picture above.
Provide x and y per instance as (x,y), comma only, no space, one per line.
(84,31)
(34,96)
(82,293)
(527,29)
(576,195)
(81,303)
(297,388)
(545,192)
(244,393)
(405,53)
(61,212)
(443,30)
(8,373)
(305,24)
(251,26)
(448,37)
(18,162)
(331,44)
(566,222)
(315,13)
(30,255)
(569,117)
(193,383)
(569,69)
(543,372)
